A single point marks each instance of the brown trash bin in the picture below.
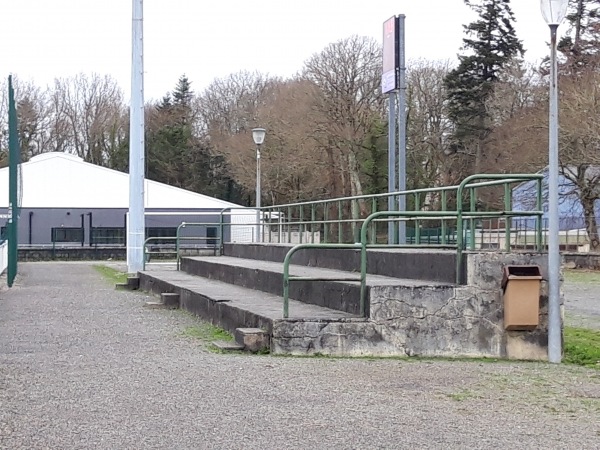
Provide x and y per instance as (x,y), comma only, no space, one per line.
(521,287)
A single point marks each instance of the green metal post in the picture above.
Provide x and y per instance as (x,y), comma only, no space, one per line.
(177,236)
(444,208)
(374,227)
(289,239)
(539,224)
(507,220)
(473,208)
(340,217)
(326,224)
(13,200)
(312,224)
(417,223)
(301,225)
(286,285)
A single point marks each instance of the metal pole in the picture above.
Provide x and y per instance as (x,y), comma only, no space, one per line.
(136,229)
(402,126)
(13,197)
(258,238)
(391,162)
(554,318)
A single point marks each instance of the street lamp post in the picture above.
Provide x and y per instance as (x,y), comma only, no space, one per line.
(258,134)
(554,12)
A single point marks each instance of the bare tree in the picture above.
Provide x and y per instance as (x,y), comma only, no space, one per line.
(228,105)
(428,125)
(347,74)
(91,112)
(521,144)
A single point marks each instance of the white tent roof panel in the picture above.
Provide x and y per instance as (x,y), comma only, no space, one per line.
(60,180)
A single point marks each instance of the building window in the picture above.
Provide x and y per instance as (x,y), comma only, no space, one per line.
(108,236)
(211,232)
(161,232)
(67,234)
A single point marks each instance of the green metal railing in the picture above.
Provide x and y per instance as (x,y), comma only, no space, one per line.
(339,220)
(147,252)
(459,215)
(218,244)
(355,222)
(286,270)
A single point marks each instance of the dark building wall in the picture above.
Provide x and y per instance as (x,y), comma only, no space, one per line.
(35,224)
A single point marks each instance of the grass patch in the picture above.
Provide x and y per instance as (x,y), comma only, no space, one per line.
(462,395)
(207,332)
(582,276)
(582,347)
(111,274)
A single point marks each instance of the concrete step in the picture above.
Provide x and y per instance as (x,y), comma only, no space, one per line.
(267,276)
(132,284)
(228,346)
(415,263)
(253,339)
(229,306)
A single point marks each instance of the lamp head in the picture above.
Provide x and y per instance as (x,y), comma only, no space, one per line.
(554,11)
(258,134)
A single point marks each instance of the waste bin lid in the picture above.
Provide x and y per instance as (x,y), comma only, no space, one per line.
(525,272)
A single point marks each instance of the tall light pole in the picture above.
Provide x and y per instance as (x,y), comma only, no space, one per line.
(136,223)
(554,12)
(258,134)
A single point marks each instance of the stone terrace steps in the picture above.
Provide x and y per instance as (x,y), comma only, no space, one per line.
(414,263)
(230,306)
(267,276)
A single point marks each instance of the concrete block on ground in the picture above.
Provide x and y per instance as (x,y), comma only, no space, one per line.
(253,339)
(133,283)
(170,299)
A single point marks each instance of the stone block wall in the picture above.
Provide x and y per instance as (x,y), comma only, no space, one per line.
(429,320)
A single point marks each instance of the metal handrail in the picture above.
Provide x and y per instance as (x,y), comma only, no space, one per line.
(286,270)
(178,237)
(151,239)
(363,245)
(295,217)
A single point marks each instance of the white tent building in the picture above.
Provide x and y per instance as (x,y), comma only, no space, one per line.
(67,200)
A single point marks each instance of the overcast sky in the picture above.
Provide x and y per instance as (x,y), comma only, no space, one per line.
(44,39)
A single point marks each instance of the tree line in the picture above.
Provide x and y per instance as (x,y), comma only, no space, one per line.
(327,125)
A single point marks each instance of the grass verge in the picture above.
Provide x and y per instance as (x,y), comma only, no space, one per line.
(582,347)
(582,276)
(207,332)
(111,274)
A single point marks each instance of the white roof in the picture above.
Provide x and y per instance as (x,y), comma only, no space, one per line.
(60,180)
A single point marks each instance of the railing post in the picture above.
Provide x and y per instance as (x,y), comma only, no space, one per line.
(177,236)
(473,208)
(289,239)
(507,220)
(540,218)
(374,227)
(286,284)
(326,224)
(312,223)
(444,208)
(301,225)
(417,222)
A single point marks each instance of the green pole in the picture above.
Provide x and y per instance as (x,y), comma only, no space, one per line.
(13,207)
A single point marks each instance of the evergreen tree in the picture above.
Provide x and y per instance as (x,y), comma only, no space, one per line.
(490,43)
(177,155)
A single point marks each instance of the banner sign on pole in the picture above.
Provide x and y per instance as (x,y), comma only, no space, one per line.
(391,58)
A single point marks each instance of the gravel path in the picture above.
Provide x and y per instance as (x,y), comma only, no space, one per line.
(582,304)
(83,366)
